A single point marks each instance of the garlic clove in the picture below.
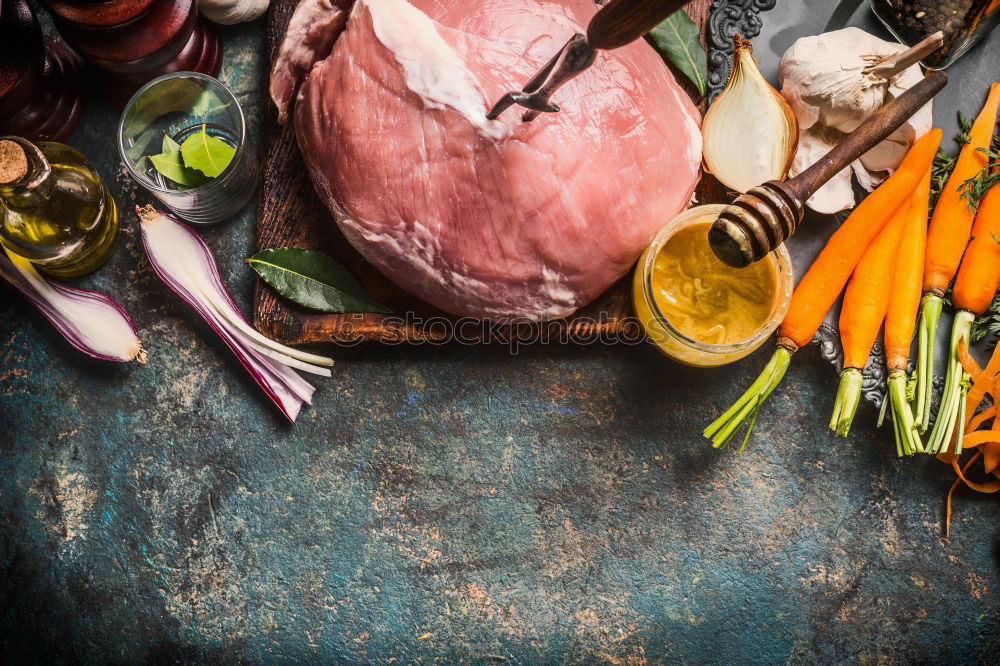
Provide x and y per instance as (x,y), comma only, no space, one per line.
(887,155)
(868,179)
(837,194)
(802,105)
(829,85)
(750,132)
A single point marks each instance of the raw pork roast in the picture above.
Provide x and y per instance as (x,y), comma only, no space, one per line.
(491,219)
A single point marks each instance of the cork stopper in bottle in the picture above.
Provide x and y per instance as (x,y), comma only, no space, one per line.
(13,162)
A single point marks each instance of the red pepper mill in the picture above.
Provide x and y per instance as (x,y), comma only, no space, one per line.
(40,92)
(130,42)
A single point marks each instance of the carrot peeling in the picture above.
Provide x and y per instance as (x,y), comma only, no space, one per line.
(982,383)
(986,443)
(979,419)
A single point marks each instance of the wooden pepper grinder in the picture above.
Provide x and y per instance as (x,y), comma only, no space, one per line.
(130,42)
(40,92)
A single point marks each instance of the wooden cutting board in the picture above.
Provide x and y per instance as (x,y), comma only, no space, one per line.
(291,215)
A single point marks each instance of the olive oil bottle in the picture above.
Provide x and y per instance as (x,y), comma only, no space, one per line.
(54,209)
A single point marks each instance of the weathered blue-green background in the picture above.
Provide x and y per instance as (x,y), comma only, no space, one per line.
(451,504)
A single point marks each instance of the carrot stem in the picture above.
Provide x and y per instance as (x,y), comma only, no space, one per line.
(897,433)
(848,398)
(908,438)
(960,421)
(882,410)
(930,313)
(956,385)
(722,430)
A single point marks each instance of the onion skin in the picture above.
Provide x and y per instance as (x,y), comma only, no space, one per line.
(197,281)
(21,276)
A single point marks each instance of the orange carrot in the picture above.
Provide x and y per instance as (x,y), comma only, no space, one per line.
(972,293)
(947,237)
(904,301)
(824,281)
(828,274)
(865,303)
(866,299)
(952,219)
(979,274)
(900,318)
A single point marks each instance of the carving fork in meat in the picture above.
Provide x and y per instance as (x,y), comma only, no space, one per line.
(618,23)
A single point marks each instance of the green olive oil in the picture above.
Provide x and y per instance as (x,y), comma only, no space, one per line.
(54,209)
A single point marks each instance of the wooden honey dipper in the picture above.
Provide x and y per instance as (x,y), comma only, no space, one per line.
(762,219)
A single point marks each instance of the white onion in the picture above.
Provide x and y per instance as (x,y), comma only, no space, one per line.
(749,132)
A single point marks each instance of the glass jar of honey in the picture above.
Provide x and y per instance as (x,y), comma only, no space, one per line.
(696,309)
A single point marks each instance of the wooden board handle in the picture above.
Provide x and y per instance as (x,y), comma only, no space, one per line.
(621,22)
(869,134)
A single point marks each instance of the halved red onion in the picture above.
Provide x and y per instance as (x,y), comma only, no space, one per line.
(90,321)
(185,264)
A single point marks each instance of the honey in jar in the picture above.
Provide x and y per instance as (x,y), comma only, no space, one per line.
(697,309)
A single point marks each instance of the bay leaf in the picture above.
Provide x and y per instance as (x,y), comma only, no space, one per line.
(169,145)
(170,165)
(313,280)
(208,103)
(206,153)
(678,40)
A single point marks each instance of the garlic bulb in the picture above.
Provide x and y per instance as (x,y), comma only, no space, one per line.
(749,132)
(833,82)
(228,12)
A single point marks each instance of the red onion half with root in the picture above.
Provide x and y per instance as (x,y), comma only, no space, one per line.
(89,320)
(186,265)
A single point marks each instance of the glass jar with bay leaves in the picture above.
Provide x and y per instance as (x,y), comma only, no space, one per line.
(183,137)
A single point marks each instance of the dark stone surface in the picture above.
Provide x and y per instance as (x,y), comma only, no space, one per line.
(452,504)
